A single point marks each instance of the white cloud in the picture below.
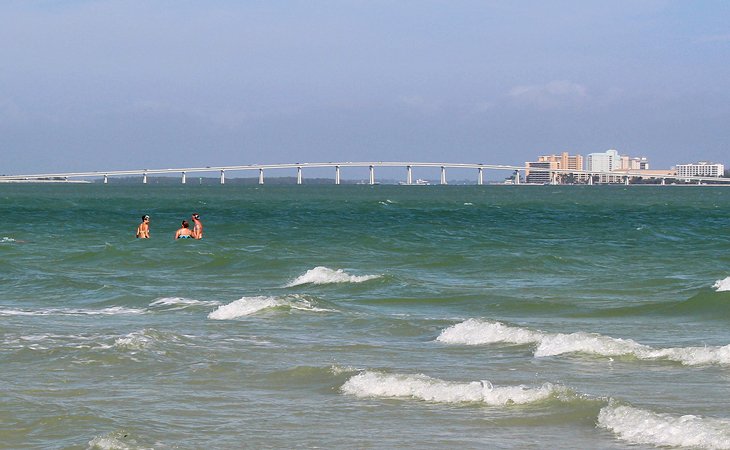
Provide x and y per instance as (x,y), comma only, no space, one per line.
(553,95)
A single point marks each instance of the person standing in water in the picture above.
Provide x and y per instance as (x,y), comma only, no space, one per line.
(143,230)
(197,226)
(184,231)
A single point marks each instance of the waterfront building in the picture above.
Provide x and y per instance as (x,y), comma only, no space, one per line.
(539,176)
(607,161)
(700,169)
(562,161)
(636,163)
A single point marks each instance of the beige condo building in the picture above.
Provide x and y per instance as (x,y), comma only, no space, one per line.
(564,161)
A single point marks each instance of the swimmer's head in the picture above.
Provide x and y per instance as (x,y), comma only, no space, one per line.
(196,216)
(185,224)
(145,217)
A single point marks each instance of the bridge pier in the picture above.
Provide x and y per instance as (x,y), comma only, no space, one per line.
(337,174)
(664,181)
(106,179)
(517,176)
(372,175)
(480,176)
(626,181)
(299,175)
(409,175)
(223,177)
(261,176)
(183,180)
(144,178)
(443,175)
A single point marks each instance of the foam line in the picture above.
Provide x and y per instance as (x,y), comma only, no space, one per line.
(247,306)
(722,285)
(422,387)
(639,426)
(324,275)
(476,332)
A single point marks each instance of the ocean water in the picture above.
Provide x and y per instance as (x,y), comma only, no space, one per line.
(365,317)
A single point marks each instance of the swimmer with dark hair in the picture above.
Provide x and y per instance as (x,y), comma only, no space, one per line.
(143,230)
(184,231)
(197,226)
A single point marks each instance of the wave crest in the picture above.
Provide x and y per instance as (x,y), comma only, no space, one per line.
(476,332)
(722,285)
(110,311)
(422,387)
(175,303)
(325,275)
(639,426)
(247,306)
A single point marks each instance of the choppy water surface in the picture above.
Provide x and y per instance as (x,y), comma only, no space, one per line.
(365,316)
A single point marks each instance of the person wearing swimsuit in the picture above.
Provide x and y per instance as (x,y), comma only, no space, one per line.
(197,227)
(143,230)
(184,231)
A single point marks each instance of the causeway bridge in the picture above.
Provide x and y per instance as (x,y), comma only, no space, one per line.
(553,175)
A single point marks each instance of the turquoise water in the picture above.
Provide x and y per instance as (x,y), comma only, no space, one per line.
(365,316)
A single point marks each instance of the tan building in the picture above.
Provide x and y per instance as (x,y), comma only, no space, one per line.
(564,161)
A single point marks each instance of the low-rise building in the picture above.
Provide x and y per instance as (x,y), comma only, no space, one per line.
(539,176)
(700,169)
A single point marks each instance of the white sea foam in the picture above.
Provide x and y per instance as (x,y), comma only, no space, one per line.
(107,443)
(422,387)
(113,310)
(250,305)
(244,307)
(6,240)
(639,426)
(182,303)
(693,356)
(136,340)
(722,285)
(476,332)
(118,440)
(324,275)
(558,344)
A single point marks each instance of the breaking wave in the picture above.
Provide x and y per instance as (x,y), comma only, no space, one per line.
(144,339)
(112,310)
(639,426)
(422,387)
(324,275)
(476,332)
(722,285)
(117,440)
(174,303)
(247,306)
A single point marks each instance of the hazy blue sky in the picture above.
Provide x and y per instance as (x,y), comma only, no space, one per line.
(95,85)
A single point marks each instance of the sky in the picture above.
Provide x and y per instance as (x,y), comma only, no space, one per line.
(130,84)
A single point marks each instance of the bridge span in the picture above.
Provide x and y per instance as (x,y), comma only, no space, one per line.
(554,174)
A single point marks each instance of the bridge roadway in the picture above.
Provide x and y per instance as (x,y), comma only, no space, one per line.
(183,171)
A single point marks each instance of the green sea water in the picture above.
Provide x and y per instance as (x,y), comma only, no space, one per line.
(365,317)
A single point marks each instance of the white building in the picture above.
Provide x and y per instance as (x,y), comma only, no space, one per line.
(607,161)
(700,169)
